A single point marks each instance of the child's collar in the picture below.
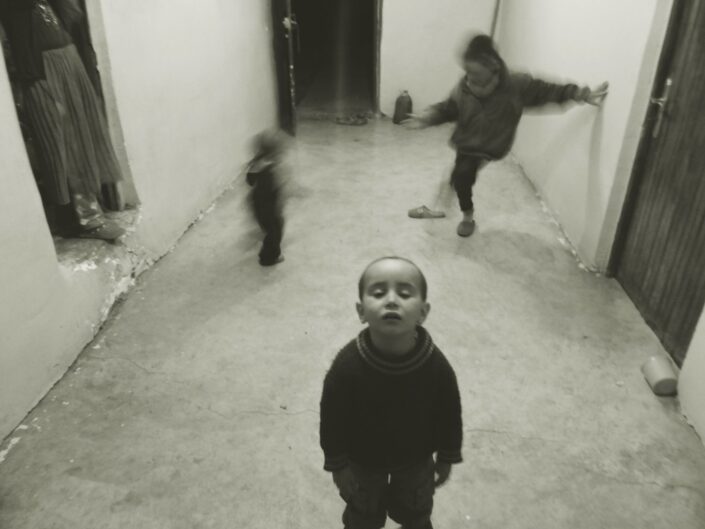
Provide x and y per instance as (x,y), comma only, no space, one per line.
(398,366)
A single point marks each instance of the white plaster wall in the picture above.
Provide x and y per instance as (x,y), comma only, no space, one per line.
(47,312)
(27,258)
(691,381)
(421,47)
(580,160)
(191,85)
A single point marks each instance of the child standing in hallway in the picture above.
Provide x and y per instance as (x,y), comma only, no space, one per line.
(390,401)
(266,197)
(487,105)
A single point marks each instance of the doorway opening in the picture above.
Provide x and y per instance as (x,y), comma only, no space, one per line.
(336,56)
(63,117)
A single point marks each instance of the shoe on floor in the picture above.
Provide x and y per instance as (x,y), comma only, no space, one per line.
(466,228)
(107,231)
(352,120)
(422,212)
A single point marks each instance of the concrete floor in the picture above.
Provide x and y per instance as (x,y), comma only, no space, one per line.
(197,404)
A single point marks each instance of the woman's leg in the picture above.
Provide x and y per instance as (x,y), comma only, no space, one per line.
(46,118)
(70,148)
(89,214)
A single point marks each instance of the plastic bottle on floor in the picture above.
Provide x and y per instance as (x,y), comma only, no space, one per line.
(402,108)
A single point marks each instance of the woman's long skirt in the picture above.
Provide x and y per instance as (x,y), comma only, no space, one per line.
(71,134)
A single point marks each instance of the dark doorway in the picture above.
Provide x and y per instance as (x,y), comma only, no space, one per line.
(335,56)
(659,253)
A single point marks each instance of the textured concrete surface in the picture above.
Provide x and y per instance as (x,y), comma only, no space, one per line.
(197,404)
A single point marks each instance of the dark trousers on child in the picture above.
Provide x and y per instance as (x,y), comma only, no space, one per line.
(270,219)
(464,176)
(406,495)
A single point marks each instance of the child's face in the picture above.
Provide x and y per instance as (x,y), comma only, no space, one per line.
(481,80)
(391,299)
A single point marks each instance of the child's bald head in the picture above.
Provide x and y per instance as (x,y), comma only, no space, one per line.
(422,285)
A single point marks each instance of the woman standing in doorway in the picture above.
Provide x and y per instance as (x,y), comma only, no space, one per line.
(63,111)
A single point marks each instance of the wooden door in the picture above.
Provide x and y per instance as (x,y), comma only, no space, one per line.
(659,254)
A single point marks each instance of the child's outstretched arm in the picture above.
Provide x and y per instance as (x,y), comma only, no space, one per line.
(535,92)
(594,96)
(417,121)
(442,112)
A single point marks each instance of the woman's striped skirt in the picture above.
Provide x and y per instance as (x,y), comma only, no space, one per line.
(70,129)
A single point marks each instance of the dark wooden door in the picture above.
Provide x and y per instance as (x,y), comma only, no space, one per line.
(659,254)
(283,28)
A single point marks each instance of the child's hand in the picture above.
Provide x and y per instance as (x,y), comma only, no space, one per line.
(345,481)
(596,95)
(414,122)
(442,471)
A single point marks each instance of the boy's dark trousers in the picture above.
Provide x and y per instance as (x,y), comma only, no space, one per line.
(270,219)
(406,495)
(464,176)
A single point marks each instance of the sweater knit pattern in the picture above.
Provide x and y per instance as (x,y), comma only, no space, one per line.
(384,412)
(405,364)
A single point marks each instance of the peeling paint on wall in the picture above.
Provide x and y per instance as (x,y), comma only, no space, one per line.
(11,444)
(563,238)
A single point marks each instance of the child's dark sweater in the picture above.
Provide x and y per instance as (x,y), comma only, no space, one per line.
(263,178)
(487,126)
(385,413)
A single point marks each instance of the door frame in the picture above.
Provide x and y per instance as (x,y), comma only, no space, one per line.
(282,54)
(676,18)
(379,4)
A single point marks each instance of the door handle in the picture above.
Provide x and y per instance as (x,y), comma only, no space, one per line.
(288,22)
(661,102)
(291,25)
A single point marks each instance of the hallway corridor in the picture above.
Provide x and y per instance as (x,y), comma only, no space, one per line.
(196,406)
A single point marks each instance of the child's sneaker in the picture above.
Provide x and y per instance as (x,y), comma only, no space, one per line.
(466,228)
(467,225)
(272,263)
